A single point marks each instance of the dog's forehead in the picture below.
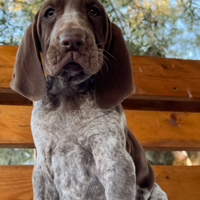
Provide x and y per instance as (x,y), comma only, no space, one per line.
(71,3)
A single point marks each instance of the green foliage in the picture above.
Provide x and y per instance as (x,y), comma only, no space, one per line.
(158,27)
(150,27)
(16,156)
(15,16)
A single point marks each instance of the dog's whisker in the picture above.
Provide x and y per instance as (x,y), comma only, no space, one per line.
(109,54)
(101,43)
(103,60)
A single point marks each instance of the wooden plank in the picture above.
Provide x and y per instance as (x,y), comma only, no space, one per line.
(158,81)
(179,182)
(165,130)
(161,105)
(154,130)
(7,60)
(166,77)
(12,98)
(9,97)
(16,183)
(15,127)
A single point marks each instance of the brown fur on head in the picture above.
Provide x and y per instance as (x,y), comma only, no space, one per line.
(96,47)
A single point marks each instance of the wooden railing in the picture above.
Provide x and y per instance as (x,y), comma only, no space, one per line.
(164,114)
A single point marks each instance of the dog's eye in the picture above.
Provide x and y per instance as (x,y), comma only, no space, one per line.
(49,13)
(94,11)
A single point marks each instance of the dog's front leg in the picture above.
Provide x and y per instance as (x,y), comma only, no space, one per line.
(43,186)
(115,168)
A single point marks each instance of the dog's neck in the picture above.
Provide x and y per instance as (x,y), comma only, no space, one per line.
(61,92)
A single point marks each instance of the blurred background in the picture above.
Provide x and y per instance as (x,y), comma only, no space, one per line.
(163,28)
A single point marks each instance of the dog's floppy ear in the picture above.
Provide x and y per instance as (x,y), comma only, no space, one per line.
(28,77)
(114,81)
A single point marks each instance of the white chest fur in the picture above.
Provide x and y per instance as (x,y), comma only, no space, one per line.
(62,138)
(62,125)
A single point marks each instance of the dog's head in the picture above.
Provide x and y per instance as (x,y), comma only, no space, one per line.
(77,41)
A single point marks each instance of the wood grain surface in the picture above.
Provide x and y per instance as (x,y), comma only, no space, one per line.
(158,82)
(166,77)
(7,60)
(154,130)
(161,84)
(16,182)
(15,127)
(179,182)
(165,130)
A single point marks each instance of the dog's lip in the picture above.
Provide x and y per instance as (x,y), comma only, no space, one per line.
(71,69)
(73,73)
(73,66)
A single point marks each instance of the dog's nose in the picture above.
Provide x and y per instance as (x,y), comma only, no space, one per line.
(72,41)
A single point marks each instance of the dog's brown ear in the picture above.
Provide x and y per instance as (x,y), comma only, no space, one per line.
(114,81)
(28,77)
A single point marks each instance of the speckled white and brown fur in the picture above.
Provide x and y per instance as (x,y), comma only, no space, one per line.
(83,151)
(82,154)
(84,148)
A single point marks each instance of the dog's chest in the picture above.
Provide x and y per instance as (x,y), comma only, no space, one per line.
(60,127)
(62,142)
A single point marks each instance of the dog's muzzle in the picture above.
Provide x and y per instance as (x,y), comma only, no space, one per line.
(74,73)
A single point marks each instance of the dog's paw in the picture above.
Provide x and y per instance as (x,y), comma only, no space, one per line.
(158,193)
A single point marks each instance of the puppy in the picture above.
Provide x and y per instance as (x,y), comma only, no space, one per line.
(84,148)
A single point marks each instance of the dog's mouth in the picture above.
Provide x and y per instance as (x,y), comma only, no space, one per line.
(73,72)
(71,69)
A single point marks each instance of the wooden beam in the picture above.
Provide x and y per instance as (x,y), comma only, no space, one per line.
(7,60)
(158,104)
(179,182)
(16,182)
(15,129)
(161,83)
(9,97)
(154,130)
(166,77)
(165,130)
